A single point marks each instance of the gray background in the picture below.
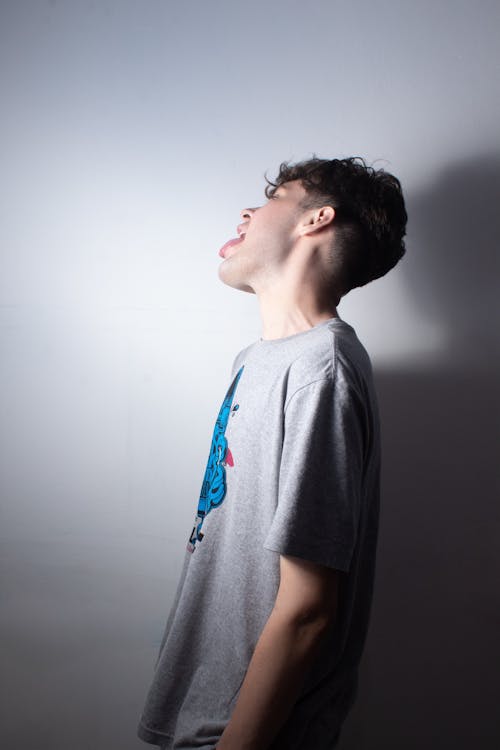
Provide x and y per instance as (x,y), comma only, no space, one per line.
(131,135)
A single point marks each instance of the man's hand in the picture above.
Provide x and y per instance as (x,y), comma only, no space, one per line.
(304,611)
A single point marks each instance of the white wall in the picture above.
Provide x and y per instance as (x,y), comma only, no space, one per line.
(131,135)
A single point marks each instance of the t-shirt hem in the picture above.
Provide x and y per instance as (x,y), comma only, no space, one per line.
(340,562)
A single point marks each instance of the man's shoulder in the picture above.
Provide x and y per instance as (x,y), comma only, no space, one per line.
(329,351)
(335,349)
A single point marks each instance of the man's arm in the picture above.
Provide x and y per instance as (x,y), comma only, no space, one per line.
(305,608)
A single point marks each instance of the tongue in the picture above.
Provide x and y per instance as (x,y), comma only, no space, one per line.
(236,241)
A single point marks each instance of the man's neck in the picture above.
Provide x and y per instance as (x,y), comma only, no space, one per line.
(284,315)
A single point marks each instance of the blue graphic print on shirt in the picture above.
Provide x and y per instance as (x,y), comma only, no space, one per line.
(213,489)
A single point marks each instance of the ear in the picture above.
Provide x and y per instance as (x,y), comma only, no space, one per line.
(317,219)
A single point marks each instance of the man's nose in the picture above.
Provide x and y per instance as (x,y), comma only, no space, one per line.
(247,213)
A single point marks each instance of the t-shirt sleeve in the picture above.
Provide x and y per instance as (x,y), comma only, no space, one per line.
(320,478)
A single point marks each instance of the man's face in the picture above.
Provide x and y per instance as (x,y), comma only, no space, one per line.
(267,236)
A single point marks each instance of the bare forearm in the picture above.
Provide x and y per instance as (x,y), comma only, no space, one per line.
(275,675)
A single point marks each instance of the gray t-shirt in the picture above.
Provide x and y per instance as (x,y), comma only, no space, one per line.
(294,469)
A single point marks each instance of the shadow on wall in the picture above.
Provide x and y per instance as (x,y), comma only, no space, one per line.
(454,230)
(429,676)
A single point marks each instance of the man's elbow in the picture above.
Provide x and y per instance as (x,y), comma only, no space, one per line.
(315,620)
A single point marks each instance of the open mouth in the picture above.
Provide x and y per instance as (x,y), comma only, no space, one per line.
(231,243)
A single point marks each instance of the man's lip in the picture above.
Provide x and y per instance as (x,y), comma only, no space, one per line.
(230,243)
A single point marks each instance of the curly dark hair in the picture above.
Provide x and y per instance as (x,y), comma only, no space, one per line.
(370,215)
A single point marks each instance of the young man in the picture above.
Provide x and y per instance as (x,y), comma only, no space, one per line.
(264,638)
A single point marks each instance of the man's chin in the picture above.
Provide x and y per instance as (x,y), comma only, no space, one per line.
(234,283)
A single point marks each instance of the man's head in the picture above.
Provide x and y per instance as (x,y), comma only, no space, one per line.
(333,224)
(370,217)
